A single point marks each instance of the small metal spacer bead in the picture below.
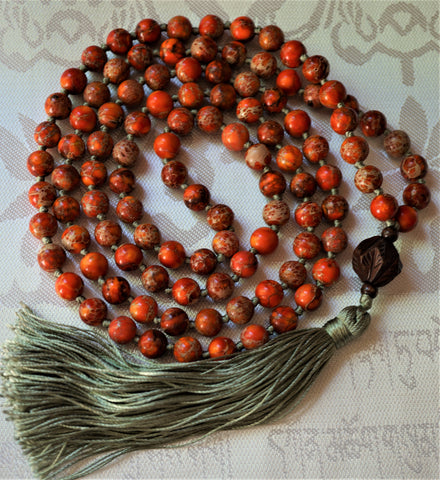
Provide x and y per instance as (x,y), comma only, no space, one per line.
(301,92)
(305,199)
(270,329)
(144,110)
(277,197)
(40,178)
(101,217)
(80,299)
(299,311)
(168,290)
(43,209)
(156,52)
(130,137)
(106,323)
(421,180)
(284,286)
(235,278)
(275,228)
(391,223)
(130,299)
(322,162)
(114,248)
(257,30)
(136,339)
(340,104)
(141,80)
(337,223)
(203,292)
(188,52)
(225,318)
(66,92)
(122,195)
(302,260)
(105,80)
(156,248)
(69,161)
(184,186)
(220,258)
(61,193)
(84,252)
(57,272)
(255,301)
(142,267)
(378,191)
(94,158)
(208,207)
(247,145)
(170,347)
(239,346)
(285,110)
(253,250)
(135,224)
(320,285)
(359,165)
(91,187)
(166,129)
(101,281)
(324,80)
(299,170)
(156,320)
(187,260)
(103,128)
(46,240)
(305,135)
(303,57)
(278,146)
(330,255)
(334,191)
(310,229)
(119,102)
(349,133)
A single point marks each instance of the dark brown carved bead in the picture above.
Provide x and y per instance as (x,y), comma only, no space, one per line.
(390,233)
(368,289)
(376,261)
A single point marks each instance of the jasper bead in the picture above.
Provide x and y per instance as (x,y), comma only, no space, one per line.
(40,163)
(167,145)
(43,224)
(119,41)
(128,257)
(129,209)
(396,143)
(354,149)
(308,296)
(47,134)
(152,343)
(373,123)
(58,105)
(187,349)
(171,254)
(180,121)
(308,214)
(171,51)
(143,309)
(146,236)
(306,245)
(334,207)
(159,104)
(75,238)
(289,158)
(234,53)
(328,177)
(100,145)
(174,321)
(221,347)
(332,93)
(343,120)
(249,110)
(96,94)
(111,115)
(93,311)
(368,178)
(303,185)
(326,271)
(292,273)
(125,153)
(315,69)
(203,261)
(220,217)
(264,240)
(137,124)
(244,264)
(272,183)
(140,57)
(270,133)
(94,58)
(225,243)
(122,330)
(283,319)
(51,257)
(246,84)
(235,136)
(186,291)
(291,53)
(93,174)
(73,80)
(155,278)
(121,181)
(269,293)
(334,240)
(264,65)
(223,96)
(157,76)
(196,197)
(254,336)
(66,209)
(130,92)
(271,38)
(311,95)
(42,194)
(273,100)
(218,71)
(242,29)
(83,118)
(209,119)
(190,95)
(240,310)
(108,233)
(257,156)
(116,290)
(212,26)
(94,265)
(417,195)
(406,217)
(204,49)
(297,123)
(208,322)
(69,286)
(147,31)
(71,146)
(276,213)
(94,203)
(219,286)
(413,167)
(383,207)
(65,177)
(174,174)
(179,27)
(288,82)
(315,148)
(116,70)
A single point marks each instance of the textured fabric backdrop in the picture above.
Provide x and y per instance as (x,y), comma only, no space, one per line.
(374,411)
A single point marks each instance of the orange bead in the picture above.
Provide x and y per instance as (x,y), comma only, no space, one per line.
(152,343)
(181,121)
(308,296)
(235,136)
(157,76)
(196,197)
(159,104)
(308,214)
(289,158)
(244,264)
(264,240)
(208,322)
(249,110)
(269,293)
(225,243)
(272,183)
(155,278)
(43,224)
(147,30)
(174,321)
(51,257)
(94,265)
(326,271)
(306,245)
(187,349)
(179,27)
(143,309)
(315,69)
(291,53)
(107,233)
(171,51)
(186,291)
(254,336)
(122,330)
(354,149)
(73,80)
(240,310)
(406,217)
(119,41)
(130,92)
(384,207)
(116,290)
(315,148)
(83,118)
(221,346)
(283,319)
(328,177)
(171,254)
(167,145)
(373,123)
(137,124)
(332,93)
(296,123)
(288,82)
(93,311)
(219,286)
(242,29)
(271,38)
(75,238)
(212,26)
(94,203)
(257,156)
(69,286)
(128,257)
(190,95)
(204,49)
(343,120)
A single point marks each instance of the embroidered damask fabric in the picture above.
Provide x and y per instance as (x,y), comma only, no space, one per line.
(373,413)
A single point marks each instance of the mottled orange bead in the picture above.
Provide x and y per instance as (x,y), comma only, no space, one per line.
(240,310)
(326,271)
(221,347)
(155,278)
(122,330)
(417,195)
(174,174)
(334,240)
(308,296)
(100,144)
(93,311)
(196,197)
(247,84)
(254,336)
(40,163)
(225,243)
(384,207)
(234,53)
(171,51)
(203,261)
(121,181)
(129,209)
(146,236)
(283,319)
(276,213)
(219,286)
(332,93)
(181,121)
(242,29)
(269,293)
(334,207)
(288,82)
(111,115)
(235,136)
(204,49)
(315,69)
(94,265)
(413,167)
(190,95)
(93,173)
(273,100)
(306,245)
(311,95)
(159,104)
(272,183)
(328,177)
(406,217)
(58,105)
(244,264)
(157,76)
(171,254)
(297,123)
(270,133)
(75,238)
(128,257)
(308,214)
(83,118)
(96,94)
(208,322)
(257,156)
(94,58)
(116,290)
(137,124)
(94,203)
(179,27)
(315,148)
(303,185)
(69,285)
(249,110)
(167,145)
(292,273)
(271,38)
(188,69)
(264,65)
(42,194)
(264,240)
(187,349)
(66,209)
(396,143)
(108,233)
(73,80)
(373,123)
(174,321)
(71,146)
(212,26)
(368,178)
(47,134)
(218,71)
(186,291)
(140,57)
(289,158)
(65,177)
(119,41)
(291,53)
(130,92)
(209,119)
(220,217)
(354,149)
(152,343)
(116,70)
(343,120)
(126,153)
(51,257)
(147,30)
(43,224)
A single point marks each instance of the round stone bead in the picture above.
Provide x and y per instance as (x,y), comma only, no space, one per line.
(187,349)
(146,236)
(368,178)
(306,245)
(94,203)
(315,69)
(115,290)
(219,286)
(271,38)
(125,153)
(108,233)
(157,76)
(220,217)
(203,261)
(43,224)
(269,293)
(140,57)
(69,285)
(352,103)
(417,195)
(212,26)
(276,213)
(94,58)
(334,207)
(292,273)
(354,149)
(190,95)
(328,177)
(315,148)
(264,240)
(171,51)
(270,133)
(308,214)
(311,95)
(51,257)
(167,145)
(240,310)
(65,177)
(58,105)
(308,296)
(42,194)
(209,119)
(155,278)
(152,343)
(93,311)
(116,70)
(174,321)
(221,347)
(223,96)
(188,69)
(111,115)
(257,156)
(334,240)
(254,336)
(100,144)
(235,136)
(181,121)
(384,207)
(137,124)
(159,104)
(147,31)
(130,92)
(94,265)
(96,94)
(73,80)
(171,254)
(234,53)
(196,197)
(413,167)
(272,183)
(225,243)
(128,257)
(242,29)
(40,163)
(373,123)
(75,238)
(273,100)
(186,291)
(218,71)
(326,271)
(406,217)
(47,134)
(204,49)
(283,319)
(143,309)
(288,82)
(119,41)
(83,118)
(179,27)
(208,322)
(244,264)
(289,158)
(247,84)
(122,330)
(249,110)
(396,143)
(343,120)
(291,53)
(174,174)
(264,65)
(303,185)
(297,123)
(332,93)
(66,209)
(121,181)
(129,209)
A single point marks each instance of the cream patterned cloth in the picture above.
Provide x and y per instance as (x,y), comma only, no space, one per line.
(373,413)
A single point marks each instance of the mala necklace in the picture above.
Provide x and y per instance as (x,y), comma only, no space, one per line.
(94,400)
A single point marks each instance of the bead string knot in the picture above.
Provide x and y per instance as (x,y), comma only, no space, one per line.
(350,323)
